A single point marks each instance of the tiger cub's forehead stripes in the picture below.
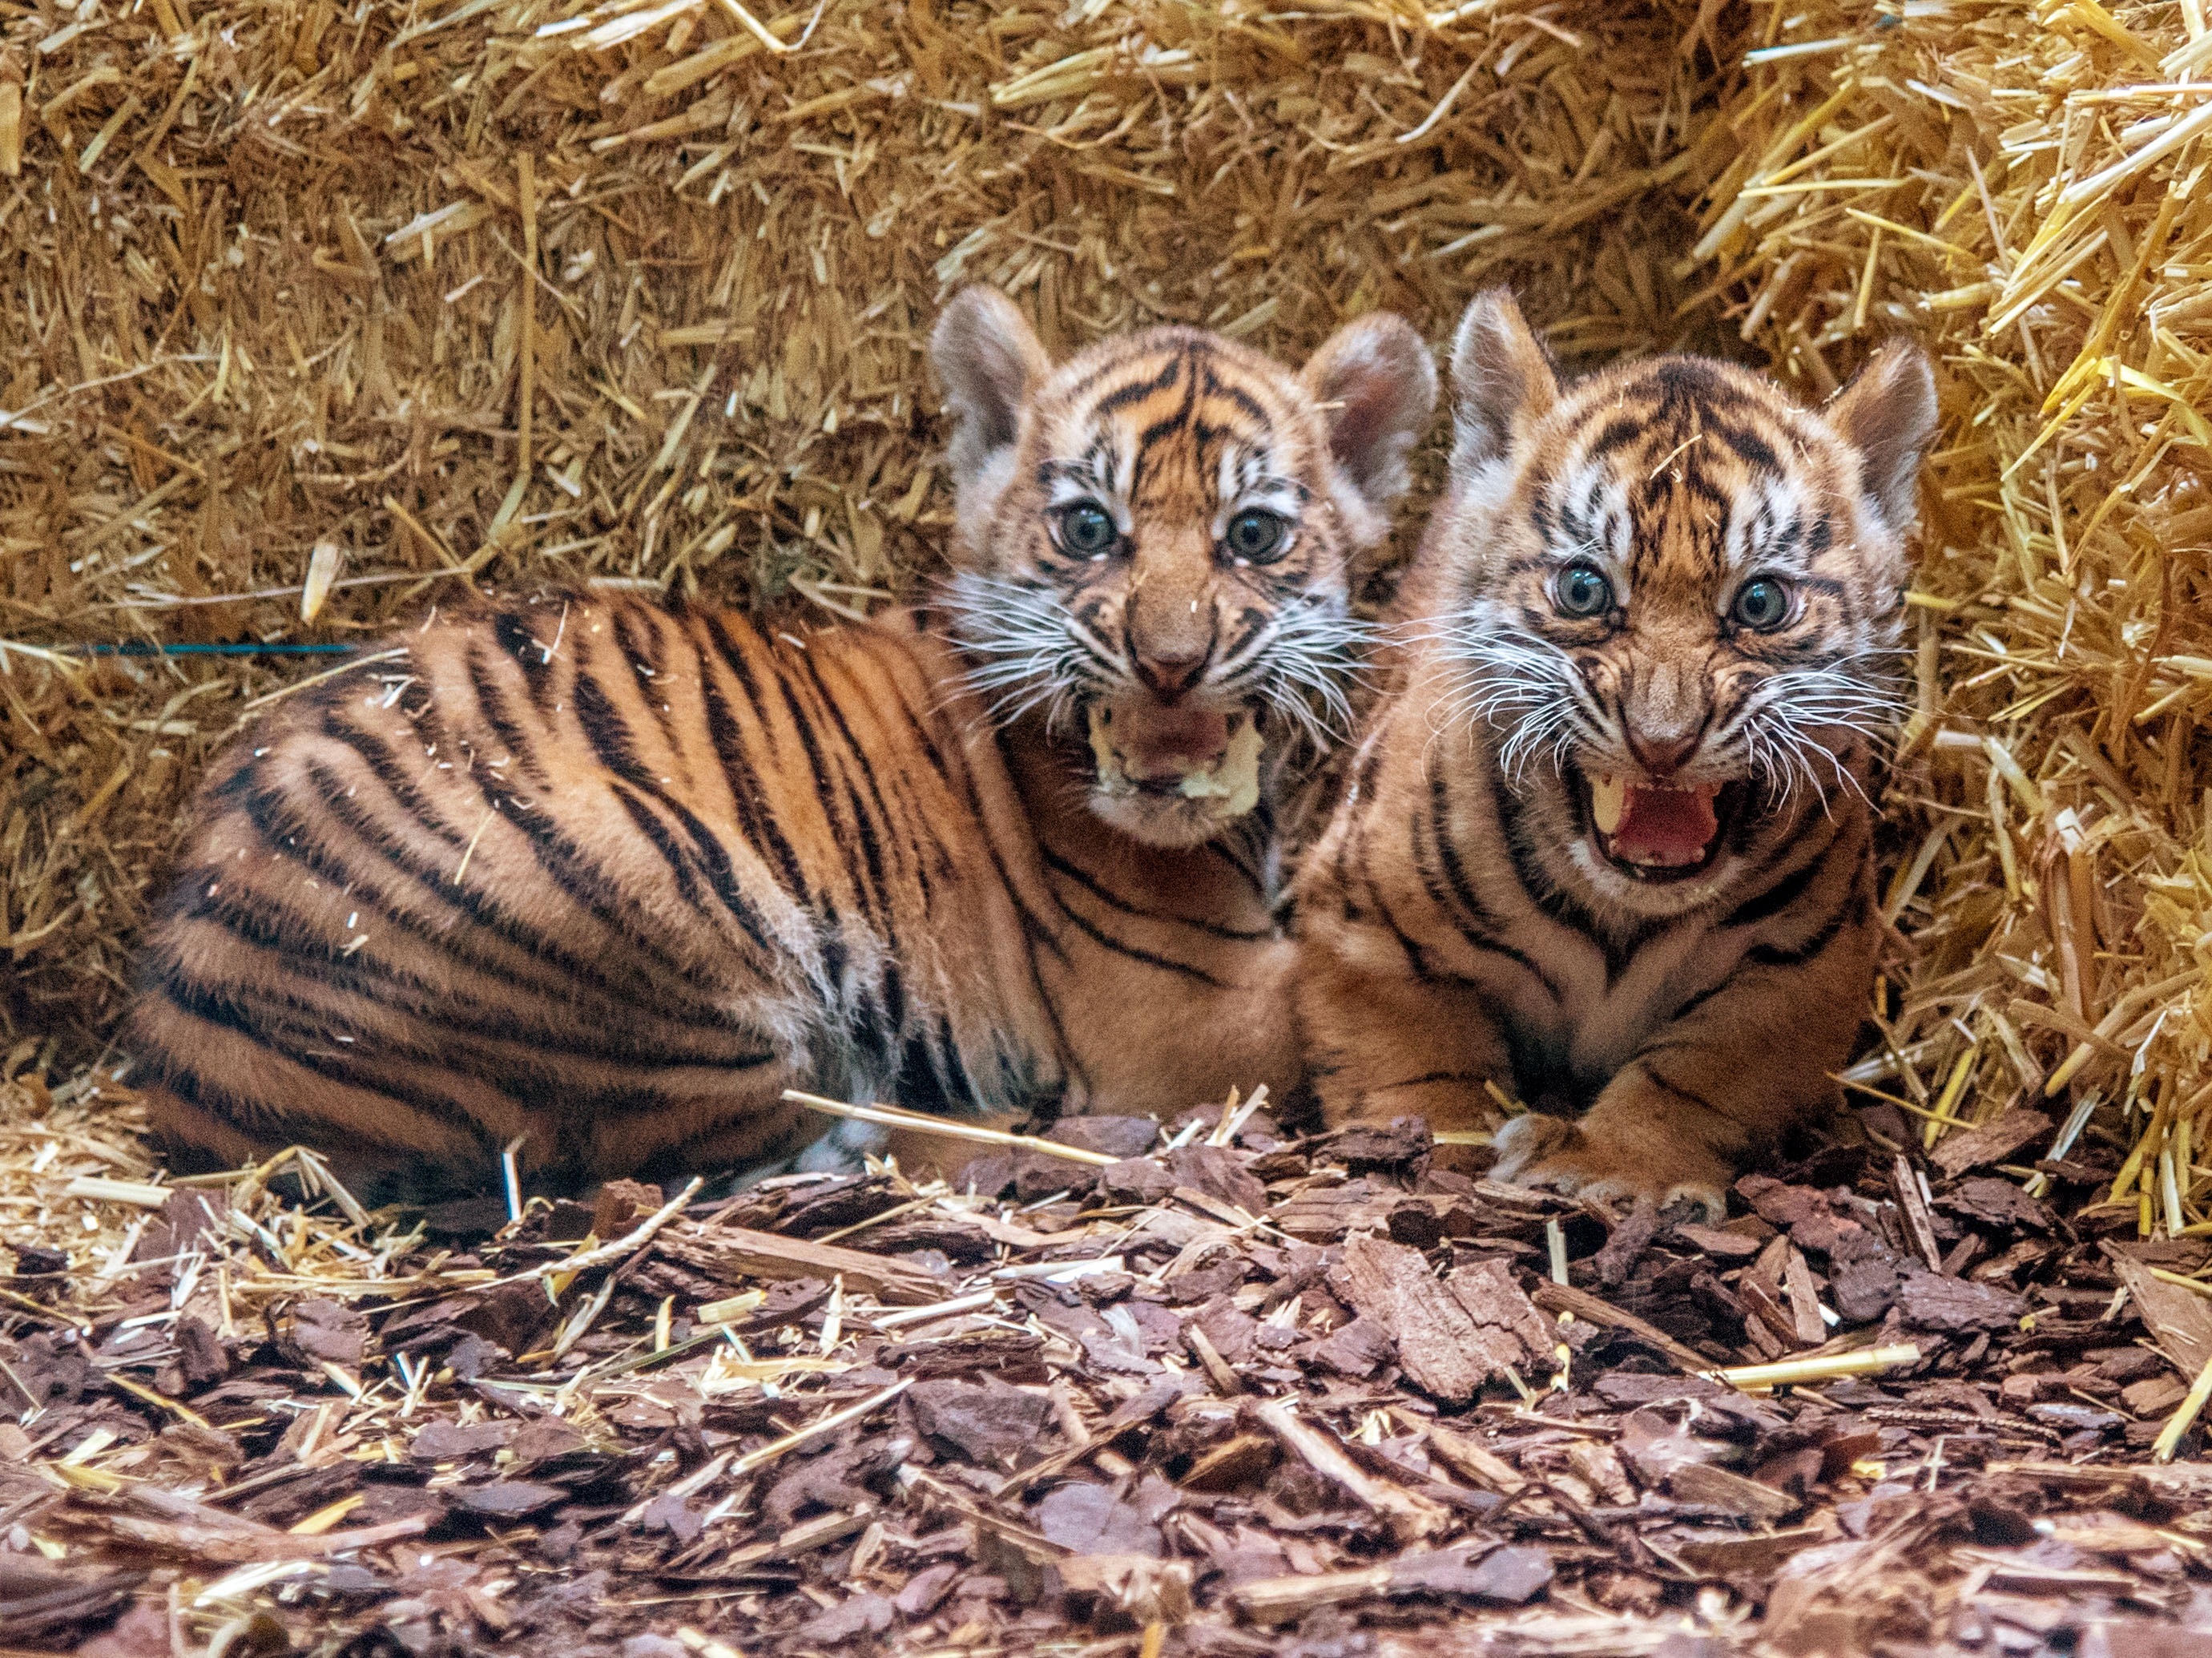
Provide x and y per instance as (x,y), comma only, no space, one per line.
(1183,423)
(1681,475)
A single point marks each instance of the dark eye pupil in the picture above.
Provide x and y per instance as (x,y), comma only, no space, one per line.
(1583,592)
(1762,604)
(1253,535)
(1087,529)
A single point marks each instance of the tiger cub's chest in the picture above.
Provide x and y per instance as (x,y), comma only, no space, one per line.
(1588,1009)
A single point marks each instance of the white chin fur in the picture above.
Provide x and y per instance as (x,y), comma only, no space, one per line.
(1172,824)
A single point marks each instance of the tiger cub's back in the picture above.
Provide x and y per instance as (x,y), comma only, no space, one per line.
(584,871)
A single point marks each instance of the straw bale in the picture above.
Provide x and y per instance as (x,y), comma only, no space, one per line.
(2024,186)
(508,290)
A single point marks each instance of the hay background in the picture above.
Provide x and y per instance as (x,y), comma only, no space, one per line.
(514,289)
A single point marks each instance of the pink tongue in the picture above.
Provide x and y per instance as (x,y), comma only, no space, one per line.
(1664,825)
(1160,742)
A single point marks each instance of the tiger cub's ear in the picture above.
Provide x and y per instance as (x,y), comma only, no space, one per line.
(1377,388)
(1502,380)
(989,360)
(1887,413)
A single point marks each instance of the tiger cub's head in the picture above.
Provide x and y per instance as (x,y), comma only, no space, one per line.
(1153,540)
(1676,595)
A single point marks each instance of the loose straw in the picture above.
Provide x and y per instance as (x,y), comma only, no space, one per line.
(891,1117)
(2179,1424)
(1832,1367)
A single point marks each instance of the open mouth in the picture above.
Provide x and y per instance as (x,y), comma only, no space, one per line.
(1655,833)
(1176,754)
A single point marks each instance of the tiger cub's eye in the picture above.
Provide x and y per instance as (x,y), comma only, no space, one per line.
(1087,528)
(1256,535)
(1582,591)
(1762,603)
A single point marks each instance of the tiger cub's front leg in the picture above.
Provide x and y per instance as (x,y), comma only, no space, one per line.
(1708,1093)
(1382,1045)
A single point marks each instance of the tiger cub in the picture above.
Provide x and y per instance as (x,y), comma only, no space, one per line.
(1607,840)
(604,877)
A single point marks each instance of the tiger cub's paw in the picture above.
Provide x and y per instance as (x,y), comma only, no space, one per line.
(1558,1156)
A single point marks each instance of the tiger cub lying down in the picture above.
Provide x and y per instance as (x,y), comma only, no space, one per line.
(605,877)
(1606,843)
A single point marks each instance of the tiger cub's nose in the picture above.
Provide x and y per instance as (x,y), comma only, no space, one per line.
(1659,756)
(1169,672)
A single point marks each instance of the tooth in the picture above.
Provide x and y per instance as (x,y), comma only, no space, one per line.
(1608,794)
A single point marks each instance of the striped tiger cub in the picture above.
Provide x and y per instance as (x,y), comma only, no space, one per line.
(1606,841)
(604,877)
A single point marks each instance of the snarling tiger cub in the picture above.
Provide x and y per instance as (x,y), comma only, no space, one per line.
(1606,843)
(605,877)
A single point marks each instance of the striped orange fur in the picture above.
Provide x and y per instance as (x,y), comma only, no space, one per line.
(1606,843)
(604,877)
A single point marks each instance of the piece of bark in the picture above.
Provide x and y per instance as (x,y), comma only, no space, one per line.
(1701,1482)
(620,1204)
(1513,1332)
(325,1330)
(1512,1576)
(1116,1136)
(735,1253)
(1411,1517)
(1325,1214)
(1929,1300)
(1625,1246)
(1862,1277)
(1375,1148)
(1141,1590)
(988,1423)
(1993,1141)
(232,1545)
(1718,1242)
(1356,1349)
(1995,1201)
(1242,1460)
(1442,1350)
(1218,1173)
(1565,1298)
(1804,1300)
(2179,1320)
(1919,1225)
(1472,1460)
(508,1499)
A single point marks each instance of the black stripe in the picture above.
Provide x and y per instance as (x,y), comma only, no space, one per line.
(873,907)
(608,732)
(1615,434)
(1060,865)
(755,820)
(1780,894)
(491,702)
(513,632)
(1471,1078)
(1749,448)
(1148,957)
(872,842)
(1680,1091)
(1137,390)
(1775,955)
(1479,926)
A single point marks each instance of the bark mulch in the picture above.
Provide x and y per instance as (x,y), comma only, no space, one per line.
(1322,1397)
